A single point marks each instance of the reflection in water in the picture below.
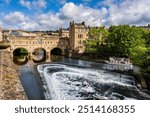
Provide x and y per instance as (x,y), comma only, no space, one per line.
(20,59)
(39,55)
(80,82)
(56,58)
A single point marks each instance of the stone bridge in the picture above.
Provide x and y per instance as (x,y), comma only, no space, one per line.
(30,43)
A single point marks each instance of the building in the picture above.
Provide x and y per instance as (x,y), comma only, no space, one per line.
(145,27)
(78,33)
(71,39)
(64,33)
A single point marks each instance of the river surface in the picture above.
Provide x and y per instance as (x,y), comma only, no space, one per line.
(72,79)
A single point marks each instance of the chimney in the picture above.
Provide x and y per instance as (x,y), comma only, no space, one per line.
(83,23)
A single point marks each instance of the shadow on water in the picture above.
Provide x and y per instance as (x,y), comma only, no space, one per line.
(31,82)
(29,77)
(56,58)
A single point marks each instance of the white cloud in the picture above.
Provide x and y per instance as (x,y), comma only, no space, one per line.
(16,20)
(35,4)
(135,12)
(25,3)
(1,24)
(47,21)
(15,17)
(79,13)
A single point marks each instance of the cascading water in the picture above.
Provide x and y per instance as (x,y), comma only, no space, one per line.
(76,83)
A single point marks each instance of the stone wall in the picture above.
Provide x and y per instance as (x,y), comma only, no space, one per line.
(10,85)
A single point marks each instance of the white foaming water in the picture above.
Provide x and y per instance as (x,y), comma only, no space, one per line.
(74,83)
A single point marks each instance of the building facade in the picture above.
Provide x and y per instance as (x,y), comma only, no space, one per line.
(78,33)
(71,39)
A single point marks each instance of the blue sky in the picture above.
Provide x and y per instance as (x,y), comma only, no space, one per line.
(53,14)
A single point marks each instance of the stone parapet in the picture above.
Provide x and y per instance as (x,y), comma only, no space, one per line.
(10,85)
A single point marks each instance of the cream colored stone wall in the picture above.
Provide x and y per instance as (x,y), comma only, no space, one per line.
(27,34)
(78,34)
(73,39)
(32,43)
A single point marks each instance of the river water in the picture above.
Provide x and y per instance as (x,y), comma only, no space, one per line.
(72,79)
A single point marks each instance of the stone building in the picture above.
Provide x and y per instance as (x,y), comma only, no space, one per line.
(64,33)
(78,33)
(145,27)
(71,39)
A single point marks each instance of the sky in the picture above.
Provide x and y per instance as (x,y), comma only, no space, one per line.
(53,14)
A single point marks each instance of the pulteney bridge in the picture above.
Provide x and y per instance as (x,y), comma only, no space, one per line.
(30,43)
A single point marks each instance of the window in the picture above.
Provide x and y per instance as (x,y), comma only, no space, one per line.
(80,42)
(80,35)
(80,30)
(80,47)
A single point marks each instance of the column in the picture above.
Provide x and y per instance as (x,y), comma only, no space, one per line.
(30,55)
(48,56)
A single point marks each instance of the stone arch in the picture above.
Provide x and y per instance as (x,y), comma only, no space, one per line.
(17,50)
(20,55)
(56,51)
(38,53)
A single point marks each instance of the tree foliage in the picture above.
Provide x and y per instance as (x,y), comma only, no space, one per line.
(97,39)
(124,39)
(121,41)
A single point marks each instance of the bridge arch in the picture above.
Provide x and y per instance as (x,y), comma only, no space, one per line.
(56,51)
(20,55)
(56,54)
(39,54)
(20,49)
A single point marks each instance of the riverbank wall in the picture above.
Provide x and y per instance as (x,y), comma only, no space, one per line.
(10,85)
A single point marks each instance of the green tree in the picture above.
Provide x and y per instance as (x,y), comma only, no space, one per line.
(97,39)
(147,37)
(24,51)
(124,39)
(139,55)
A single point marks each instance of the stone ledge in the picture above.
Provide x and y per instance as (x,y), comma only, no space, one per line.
(10,85)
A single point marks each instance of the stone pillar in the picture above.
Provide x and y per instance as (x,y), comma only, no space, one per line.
(11,54)
(48,56)
(30,55)
(63,52)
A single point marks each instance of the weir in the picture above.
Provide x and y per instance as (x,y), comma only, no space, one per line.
(69,82)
